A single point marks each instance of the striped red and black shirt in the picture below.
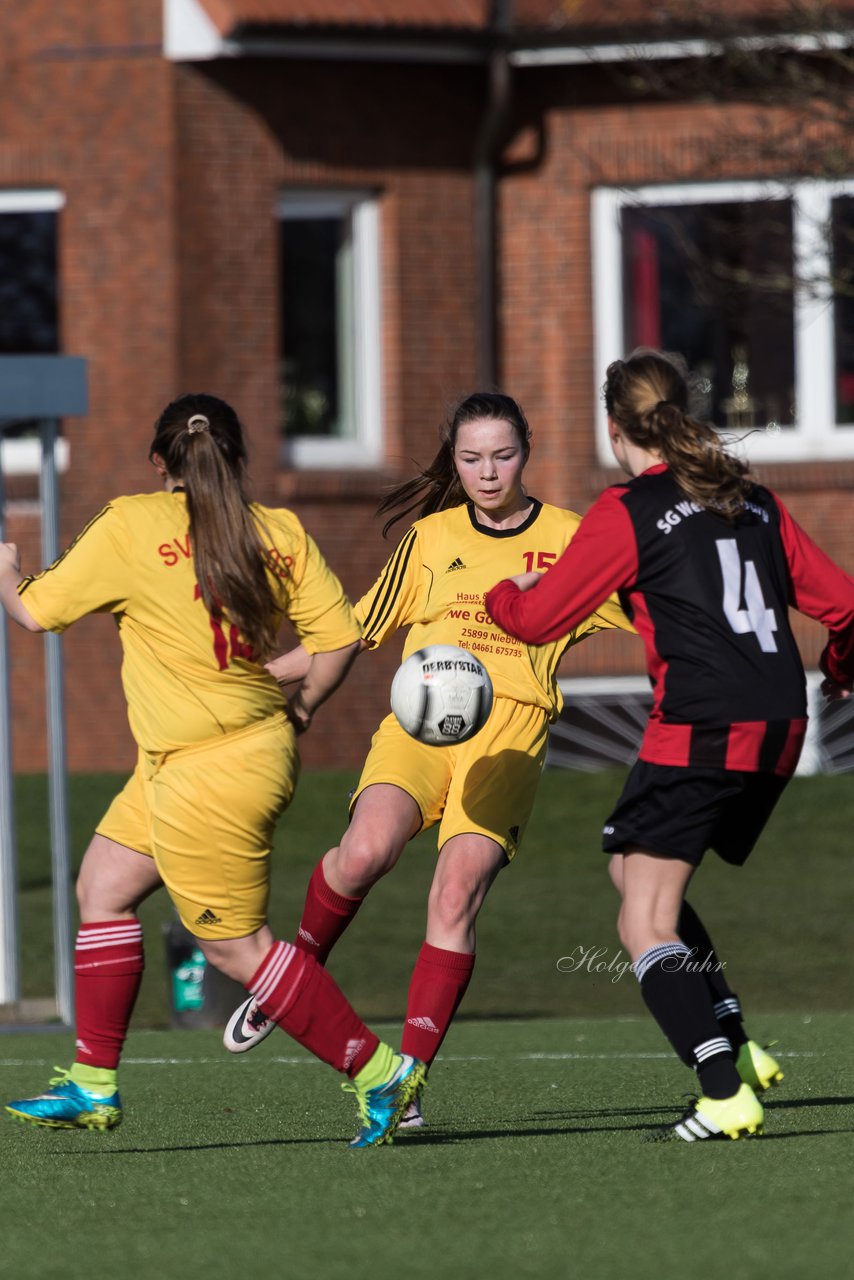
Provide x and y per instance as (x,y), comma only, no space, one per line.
(710,599)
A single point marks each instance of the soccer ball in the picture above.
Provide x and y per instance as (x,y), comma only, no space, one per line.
(441,695)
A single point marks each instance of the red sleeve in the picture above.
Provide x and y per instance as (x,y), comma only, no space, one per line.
(823,591)
(601,558)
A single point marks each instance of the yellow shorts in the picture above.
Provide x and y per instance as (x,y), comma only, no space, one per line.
(206,815)
(486,785)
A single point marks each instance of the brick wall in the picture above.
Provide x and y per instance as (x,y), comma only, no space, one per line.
(87,109)
(407,137)
(168,269)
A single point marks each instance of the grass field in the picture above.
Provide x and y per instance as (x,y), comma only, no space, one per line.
(782,923)
(533,1163)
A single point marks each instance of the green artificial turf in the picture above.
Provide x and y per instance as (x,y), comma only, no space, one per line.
(533,1164)
(546,935)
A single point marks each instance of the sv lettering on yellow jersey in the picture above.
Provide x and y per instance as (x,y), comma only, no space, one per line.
(187,677)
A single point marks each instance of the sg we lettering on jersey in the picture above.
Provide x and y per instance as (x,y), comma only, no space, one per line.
(675,515)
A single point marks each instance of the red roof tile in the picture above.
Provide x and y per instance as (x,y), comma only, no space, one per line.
(545,17)
(467,15)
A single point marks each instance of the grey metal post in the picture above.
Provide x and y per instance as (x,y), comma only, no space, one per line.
(10,976)
(60,846)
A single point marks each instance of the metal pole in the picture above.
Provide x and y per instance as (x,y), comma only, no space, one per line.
(10,978)
(59,842)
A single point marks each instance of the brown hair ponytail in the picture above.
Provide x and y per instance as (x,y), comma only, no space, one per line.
(200,439)
(438,487)
(647,394)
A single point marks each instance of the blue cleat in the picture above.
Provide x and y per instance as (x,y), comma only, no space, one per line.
(68,1106)
(381,1108)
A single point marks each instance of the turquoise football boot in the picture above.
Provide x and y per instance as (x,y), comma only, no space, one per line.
(381,1108)
(68,1106)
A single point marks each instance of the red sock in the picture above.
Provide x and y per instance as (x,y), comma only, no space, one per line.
(108,965)
(438,984)
(295,991)
(325,916)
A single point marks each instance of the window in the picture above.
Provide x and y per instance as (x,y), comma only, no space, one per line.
(29,304)
(29,323)
(842,239)
(330,329)
(754,284)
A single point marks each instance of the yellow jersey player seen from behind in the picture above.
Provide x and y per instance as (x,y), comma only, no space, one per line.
(199,580)
(476,521)
(188,677)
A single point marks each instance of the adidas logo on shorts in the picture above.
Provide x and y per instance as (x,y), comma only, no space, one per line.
(208,917)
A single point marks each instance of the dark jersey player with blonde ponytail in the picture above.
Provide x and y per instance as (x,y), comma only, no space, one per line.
(199,579)
(706,563)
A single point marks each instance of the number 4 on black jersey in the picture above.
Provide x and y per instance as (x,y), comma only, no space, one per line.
(710,599)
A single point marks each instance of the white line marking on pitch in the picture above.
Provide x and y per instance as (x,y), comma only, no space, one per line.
(314,1062)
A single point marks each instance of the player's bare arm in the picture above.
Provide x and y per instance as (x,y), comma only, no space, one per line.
(10,577)
(325,673)
(292,667)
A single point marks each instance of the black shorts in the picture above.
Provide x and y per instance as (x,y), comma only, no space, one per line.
(681,811)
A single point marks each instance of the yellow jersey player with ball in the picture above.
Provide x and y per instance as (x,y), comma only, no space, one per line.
(476,521)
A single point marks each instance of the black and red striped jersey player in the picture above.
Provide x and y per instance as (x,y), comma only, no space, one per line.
(706,563)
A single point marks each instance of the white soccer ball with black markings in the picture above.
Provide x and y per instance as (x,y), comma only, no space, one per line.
(441,695)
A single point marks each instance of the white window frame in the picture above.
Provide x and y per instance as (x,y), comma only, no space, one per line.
(817,435)
(24,457)
(365,448)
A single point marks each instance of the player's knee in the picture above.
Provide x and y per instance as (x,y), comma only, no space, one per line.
(361,861)
(236,958)
(630,931)
(615,871)
(454,903)
(83,895)
(95,901)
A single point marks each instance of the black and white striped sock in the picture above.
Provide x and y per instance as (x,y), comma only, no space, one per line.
(715,1063)
(694,934)
(729,1015)
(679,999)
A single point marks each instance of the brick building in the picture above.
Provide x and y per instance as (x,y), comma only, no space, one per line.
(341,215)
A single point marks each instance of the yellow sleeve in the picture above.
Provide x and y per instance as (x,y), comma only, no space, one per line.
(394,599)
(321,614)
(94,575)
(608,616)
